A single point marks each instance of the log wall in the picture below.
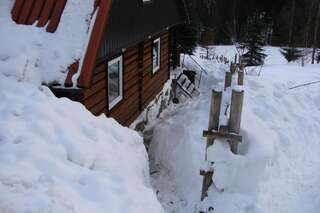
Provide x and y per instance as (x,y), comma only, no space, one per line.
(140,85)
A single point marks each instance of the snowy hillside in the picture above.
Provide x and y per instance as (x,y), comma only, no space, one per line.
(278,168)
(57,157)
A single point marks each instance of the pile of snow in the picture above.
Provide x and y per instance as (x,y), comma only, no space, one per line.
(31,54)
(57,157)
(278,166)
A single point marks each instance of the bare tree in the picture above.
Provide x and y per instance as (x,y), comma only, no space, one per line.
(315,35)
(308,25)
(293,10)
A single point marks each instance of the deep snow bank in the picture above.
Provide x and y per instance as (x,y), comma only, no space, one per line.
(278,166)
(57,157)
(31,54)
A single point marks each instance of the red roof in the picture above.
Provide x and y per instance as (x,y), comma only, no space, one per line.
(46,12)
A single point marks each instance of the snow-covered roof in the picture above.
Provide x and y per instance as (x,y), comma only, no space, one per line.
(32,54)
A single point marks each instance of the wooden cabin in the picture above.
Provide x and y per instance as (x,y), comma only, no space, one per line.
(128,57)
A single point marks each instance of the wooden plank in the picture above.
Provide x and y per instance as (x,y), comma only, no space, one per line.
(132,90)
(214,116)
(25,12)
(133,67)
(16,10)
(147,44)
(152,95)
(46,13)
(125,106)
(131,83)
(132,118)
(131,59)
(150,80)
(98,77)
(95,88)
(147,72)
(216,134)
(130,52)
(235,116)
(100,68)
(36,11)
(56,15)
(228,80)
(152,89)
(240,78)
(97,34)
(99,108)
(95,99)
(127,114)
(129,76)
(72,69)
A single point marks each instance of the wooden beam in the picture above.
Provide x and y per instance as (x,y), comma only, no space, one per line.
(215,134)
(56,15)
(235,116)
(214,116)
(228,80)
(97,34)
(240,78)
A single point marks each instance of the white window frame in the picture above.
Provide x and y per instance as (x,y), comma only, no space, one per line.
(157,68)
(147,1)
(120,97)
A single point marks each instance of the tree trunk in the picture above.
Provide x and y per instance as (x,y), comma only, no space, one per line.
(293,9)
(315,35)
(307,30)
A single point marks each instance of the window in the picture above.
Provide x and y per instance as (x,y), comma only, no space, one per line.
(114,81)
(146,1)
(156,55)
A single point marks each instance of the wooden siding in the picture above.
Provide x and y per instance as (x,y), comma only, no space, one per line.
(46,12)
(95,98)
(140,85)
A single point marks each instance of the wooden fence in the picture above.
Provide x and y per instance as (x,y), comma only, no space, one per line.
(231,131)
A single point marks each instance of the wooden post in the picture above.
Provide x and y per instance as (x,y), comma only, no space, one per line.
(213,125)
(175,100)
(235,116)
(233,68)
(227,80)
(240,77)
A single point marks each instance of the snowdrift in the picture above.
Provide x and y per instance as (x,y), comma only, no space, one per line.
(278,167)
(57,157)
(31,54)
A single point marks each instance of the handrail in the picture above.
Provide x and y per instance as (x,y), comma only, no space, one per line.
(202,69)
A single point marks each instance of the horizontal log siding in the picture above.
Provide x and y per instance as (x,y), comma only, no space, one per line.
(95,98)
(152,84)
(128,108)
(140,86)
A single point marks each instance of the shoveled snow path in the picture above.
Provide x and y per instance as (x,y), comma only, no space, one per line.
(279,166)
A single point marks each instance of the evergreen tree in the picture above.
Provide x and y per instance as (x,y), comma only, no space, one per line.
(254,41)
(188,36)
(291,53)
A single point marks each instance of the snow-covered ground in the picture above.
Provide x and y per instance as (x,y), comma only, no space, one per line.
(55,156)
(278,168)
(31,54)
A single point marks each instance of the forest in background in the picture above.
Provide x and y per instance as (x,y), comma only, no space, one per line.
(285,22)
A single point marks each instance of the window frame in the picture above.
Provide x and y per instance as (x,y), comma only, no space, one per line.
(147,1)
(116,101)
(157,68)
